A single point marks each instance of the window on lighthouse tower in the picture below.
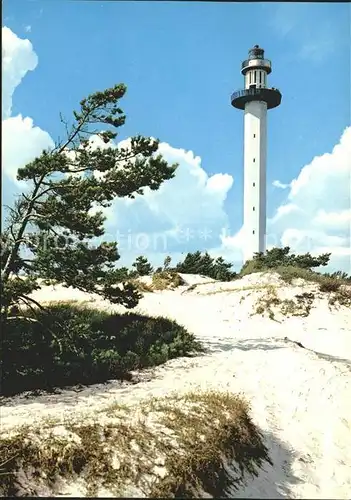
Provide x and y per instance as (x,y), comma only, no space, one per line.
(252,82)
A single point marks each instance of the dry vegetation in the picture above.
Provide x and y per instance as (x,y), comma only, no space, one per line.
(335,289)
(238,289)
(177,446)
(266,302)
(338,290)
(166,279)
(340,287)
(299,305)
(141,285)
(162,280)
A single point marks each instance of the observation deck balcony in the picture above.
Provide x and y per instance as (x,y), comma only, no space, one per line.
(272,97)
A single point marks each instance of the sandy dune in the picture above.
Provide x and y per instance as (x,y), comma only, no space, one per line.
(300,395)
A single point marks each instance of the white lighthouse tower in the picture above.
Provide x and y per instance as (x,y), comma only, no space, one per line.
(255,99)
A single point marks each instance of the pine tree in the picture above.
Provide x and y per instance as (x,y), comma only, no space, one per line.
(56,219)
(142,266)
(167,263)
(198,263)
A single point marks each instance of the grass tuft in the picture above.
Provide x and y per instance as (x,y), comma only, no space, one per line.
(141,286)
(170,447)
(214,430)
(267,301)
(166,279)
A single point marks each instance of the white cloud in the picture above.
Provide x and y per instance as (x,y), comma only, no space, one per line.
(307,240)
(188,211)
(284,210)
(318,212)
(334,220)
(18,57)
(21,143)
(232,246)
(326,180)
(192,196)
(21,140)
(316,216)
(280,185)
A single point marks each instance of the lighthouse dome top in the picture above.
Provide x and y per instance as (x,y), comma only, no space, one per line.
(256,61)
(256,53)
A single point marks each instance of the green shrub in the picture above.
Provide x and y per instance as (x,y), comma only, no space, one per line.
(69,344)
(326,283)
(204,264)
(250,267)
(290,273)
(281,257)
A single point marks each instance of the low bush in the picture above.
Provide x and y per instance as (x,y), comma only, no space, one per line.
(281,257)
(68,344)
(204,264)
(250,267)
(328,284)
(291,273)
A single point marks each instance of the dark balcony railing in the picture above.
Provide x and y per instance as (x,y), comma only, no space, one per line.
(248,92)
(271,96)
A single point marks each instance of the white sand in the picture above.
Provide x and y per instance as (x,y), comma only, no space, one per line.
(300,398)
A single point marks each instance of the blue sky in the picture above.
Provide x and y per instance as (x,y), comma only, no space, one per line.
(180,62)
